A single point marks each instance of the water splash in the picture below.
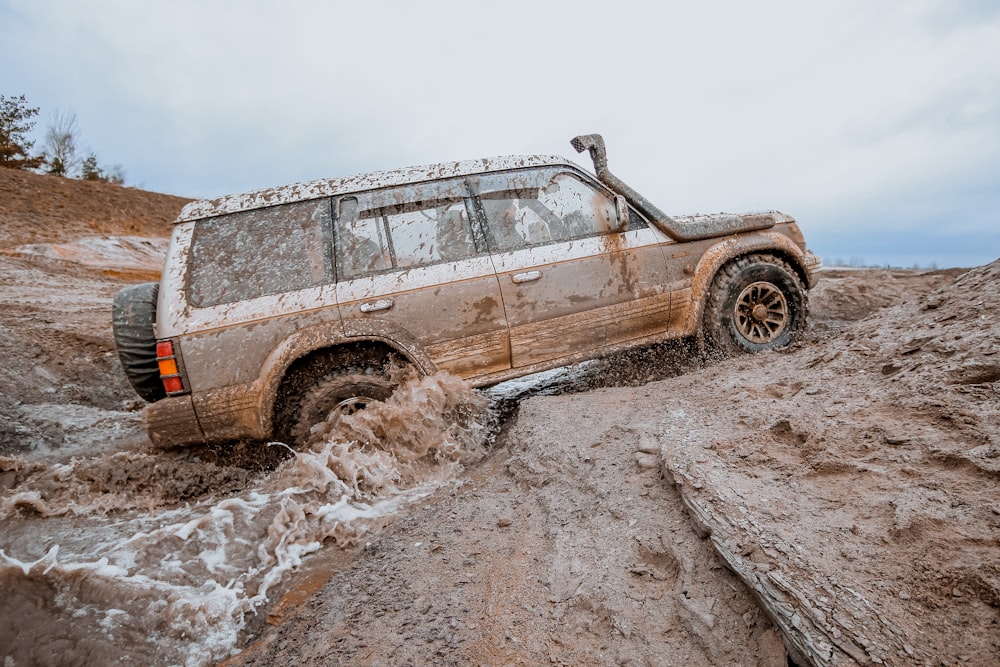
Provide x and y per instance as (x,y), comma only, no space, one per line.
(106,543)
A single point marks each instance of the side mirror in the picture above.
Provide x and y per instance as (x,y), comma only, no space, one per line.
(621,208)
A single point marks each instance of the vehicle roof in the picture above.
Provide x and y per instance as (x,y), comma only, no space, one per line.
(327,187)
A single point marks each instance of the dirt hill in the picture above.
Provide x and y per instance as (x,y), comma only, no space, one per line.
(66,247)
(46,209)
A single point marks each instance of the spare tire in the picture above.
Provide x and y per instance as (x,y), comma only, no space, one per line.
(133,314)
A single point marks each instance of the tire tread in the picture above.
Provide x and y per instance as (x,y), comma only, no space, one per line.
(714,320)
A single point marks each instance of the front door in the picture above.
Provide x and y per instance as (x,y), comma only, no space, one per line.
(571,282)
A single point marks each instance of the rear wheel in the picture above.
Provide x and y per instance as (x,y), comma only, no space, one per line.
(756,303)
(337,395)
(324,392)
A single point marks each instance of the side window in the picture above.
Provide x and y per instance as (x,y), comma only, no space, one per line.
(515,220)
(362,244)
(581,209)
(401,228)
(258,253)
(538,207)
(429,232)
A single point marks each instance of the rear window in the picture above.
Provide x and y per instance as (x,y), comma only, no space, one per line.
(259,253)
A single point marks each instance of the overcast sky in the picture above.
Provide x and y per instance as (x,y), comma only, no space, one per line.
(875,124)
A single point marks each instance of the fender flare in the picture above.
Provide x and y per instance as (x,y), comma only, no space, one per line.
(720,254)
(329,335)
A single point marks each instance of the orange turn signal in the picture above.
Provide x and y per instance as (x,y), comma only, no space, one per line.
(167,366)
(166,361)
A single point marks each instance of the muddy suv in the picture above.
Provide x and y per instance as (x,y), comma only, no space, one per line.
(279,306)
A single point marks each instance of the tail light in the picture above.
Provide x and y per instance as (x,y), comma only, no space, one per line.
(170,373)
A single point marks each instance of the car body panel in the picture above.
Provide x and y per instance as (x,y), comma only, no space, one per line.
(453,310)
(589,292)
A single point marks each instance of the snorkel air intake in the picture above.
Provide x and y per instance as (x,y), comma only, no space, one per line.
(704,227)
(595,144)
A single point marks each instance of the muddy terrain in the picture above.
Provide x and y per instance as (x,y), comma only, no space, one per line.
(832,504)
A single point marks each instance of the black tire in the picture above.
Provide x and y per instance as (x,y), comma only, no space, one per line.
(133,314)
(756,303)
(345,389)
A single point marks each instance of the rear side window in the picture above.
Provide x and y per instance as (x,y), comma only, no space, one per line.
(259,253)
(362,241)
(403,228)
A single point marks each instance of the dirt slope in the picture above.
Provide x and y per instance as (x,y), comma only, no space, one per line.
(59,270)
(854,483)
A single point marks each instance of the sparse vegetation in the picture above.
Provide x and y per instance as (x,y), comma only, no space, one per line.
(860,263)
(60,144)
(90,171)
(61,155)
(16,121)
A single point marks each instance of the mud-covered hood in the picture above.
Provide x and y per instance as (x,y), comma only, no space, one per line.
(706,226)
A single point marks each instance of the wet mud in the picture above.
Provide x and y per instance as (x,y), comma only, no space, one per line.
(163,560)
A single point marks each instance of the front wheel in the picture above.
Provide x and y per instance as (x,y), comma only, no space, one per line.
(756,303)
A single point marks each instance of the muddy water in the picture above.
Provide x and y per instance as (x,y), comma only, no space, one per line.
(148,558)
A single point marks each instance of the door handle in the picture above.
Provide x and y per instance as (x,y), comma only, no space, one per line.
(380,304)
(526,277)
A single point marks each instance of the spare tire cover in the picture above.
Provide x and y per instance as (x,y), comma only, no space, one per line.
(133,314)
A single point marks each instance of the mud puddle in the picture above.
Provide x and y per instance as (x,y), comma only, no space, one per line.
(160,558)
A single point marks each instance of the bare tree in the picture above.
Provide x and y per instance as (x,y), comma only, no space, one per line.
(60,144)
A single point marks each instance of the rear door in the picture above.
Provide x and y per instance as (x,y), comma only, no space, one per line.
(411,269)
(571,283)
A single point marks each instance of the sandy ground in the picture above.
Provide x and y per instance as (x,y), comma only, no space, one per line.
(837,501)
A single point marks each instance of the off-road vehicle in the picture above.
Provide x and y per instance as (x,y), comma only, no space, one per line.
(279,306)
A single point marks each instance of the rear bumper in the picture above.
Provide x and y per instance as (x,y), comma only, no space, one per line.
(172,421)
